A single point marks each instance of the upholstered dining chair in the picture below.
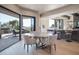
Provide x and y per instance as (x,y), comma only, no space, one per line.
(28,40)
(51,44)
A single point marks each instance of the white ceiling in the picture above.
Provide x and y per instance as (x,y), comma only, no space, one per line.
(41,8)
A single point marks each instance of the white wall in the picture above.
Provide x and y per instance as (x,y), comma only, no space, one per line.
(44,21)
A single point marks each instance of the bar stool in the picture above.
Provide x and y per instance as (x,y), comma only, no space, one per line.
(68,36)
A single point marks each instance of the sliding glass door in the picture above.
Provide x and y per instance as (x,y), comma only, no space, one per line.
(0,30)
(33,23)
(9,23)
(28,24)
(12,25)
(9,28)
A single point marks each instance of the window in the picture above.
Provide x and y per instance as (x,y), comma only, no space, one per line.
(28,24)
(59,23)
(51,23)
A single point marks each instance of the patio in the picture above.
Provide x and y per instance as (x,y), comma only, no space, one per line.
(7,40)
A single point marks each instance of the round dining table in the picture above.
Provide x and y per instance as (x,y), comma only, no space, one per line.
(40,37)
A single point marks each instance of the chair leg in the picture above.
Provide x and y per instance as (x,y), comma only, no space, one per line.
(55,47)
(50,49)
(36,46)
(24,46)
(27,48)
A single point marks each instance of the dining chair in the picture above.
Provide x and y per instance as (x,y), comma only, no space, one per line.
(51,44)
(28,40)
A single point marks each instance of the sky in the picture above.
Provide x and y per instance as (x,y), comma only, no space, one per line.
(27,22)
(6,18)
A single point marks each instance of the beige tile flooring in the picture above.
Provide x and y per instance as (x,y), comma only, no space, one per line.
(63,48)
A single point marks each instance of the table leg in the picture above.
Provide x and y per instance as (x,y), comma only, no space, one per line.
(0,36)
(43,45)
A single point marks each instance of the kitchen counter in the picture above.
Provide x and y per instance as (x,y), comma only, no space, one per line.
(62,34)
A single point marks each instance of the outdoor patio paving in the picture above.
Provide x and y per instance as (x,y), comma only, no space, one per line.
(7,41)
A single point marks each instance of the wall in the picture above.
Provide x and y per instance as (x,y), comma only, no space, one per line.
(44,21)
